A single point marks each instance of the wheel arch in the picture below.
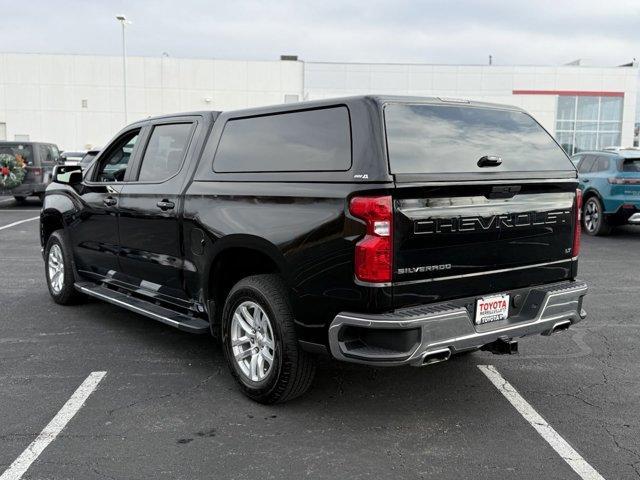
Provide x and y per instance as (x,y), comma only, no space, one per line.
(234,258)
(591,192)
(50,221)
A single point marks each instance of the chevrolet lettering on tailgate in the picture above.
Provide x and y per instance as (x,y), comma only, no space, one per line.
(493,222)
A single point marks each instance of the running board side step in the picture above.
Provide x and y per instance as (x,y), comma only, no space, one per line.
(148,309)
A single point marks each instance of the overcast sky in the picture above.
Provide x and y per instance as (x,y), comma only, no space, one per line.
(457,31)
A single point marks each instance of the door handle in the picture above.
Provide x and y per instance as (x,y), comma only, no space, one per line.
(109,201)
(165,204)
(585,180)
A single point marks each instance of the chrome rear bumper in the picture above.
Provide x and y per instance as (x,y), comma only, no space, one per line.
(412,336)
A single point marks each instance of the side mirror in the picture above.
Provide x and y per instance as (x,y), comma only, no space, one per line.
(67,174)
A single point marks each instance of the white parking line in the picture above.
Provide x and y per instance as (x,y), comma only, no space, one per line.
(8,210)
(55,426)
(553,438)
(18,223)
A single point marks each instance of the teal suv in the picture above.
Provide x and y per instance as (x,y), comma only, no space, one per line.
(610,184)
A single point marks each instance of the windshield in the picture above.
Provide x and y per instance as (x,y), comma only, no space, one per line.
(451,139)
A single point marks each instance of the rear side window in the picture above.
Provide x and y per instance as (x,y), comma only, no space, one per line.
(311,140)
(165,151)
(631,165)
(451,139)
(601,165)
(49,153)
(586,163)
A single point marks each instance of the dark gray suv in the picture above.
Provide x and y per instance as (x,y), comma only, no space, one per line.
(40,158)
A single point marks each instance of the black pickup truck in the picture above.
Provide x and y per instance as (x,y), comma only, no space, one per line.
(377,230)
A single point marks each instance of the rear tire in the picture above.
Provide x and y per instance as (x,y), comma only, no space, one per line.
(19,199)
(59,270)
(593,218)
(291,370)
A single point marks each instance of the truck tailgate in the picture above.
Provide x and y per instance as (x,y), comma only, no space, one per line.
(455,241)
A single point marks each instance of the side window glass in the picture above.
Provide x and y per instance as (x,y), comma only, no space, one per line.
(55,153)
(586,163)
(48,153)
(601,165)
(165,151)
(299,141)
(45,154)
(577,160)
(113,165)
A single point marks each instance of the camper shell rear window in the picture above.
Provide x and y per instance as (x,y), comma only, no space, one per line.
(425,138)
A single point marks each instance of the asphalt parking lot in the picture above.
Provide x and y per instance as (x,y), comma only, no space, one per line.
(168,408)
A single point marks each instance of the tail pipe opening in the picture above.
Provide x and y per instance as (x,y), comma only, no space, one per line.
(561,326)
(436,356)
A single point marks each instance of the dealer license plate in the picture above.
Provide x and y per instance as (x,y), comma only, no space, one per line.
(492,309)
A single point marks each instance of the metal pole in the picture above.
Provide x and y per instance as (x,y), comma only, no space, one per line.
(124,71)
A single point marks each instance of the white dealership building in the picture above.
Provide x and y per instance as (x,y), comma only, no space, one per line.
(77,101)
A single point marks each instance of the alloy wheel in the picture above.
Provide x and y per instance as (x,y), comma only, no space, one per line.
(252,341)
(55,267)
(591,215)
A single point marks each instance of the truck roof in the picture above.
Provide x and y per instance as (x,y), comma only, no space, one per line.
(179,114)
(375,99)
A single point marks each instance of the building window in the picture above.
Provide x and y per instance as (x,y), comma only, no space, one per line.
(588,123)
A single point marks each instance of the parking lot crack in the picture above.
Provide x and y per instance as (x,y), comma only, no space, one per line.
(198,385)
(102,474)
(636,464)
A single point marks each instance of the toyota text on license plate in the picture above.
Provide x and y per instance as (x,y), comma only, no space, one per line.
(492,309)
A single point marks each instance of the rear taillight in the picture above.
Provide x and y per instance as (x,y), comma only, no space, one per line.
(577,229)
(374,253)
(623,181)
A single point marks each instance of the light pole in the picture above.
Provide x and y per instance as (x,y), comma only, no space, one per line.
(124,22)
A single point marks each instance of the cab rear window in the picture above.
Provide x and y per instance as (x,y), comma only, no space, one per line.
(451,139)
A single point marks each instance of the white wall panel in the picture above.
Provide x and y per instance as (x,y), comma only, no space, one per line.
(136,100)
(230,75)
(22,69)
(54,97)
(263,77)
(152,72)
(292,77)
(22,97)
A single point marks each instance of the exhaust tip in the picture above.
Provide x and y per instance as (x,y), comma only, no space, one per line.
(436,356)
(561,326)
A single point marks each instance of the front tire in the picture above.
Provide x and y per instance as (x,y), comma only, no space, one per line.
(593,219)
(59,270)
(19,199)
(260,344)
